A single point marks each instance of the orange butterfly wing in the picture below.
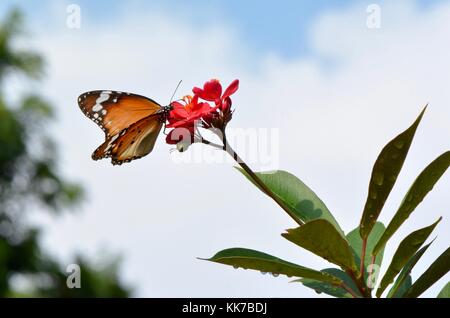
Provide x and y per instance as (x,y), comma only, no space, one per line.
(131,143)
(114,111)
(131,123)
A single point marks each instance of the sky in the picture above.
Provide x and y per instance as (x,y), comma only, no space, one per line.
(323,90)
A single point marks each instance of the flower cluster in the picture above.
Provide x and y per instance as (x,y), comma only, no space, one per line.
(207,108)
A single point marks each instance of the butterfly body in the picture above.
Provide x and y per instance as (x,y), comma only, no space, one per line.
(131,123)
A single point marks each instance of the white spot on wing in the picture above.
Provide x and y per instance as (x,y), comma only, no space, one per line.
(104,96)
(111,142)
(114,138)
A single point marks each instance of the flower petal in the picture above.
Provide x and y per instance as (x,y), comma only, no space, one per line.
(179,113)
(211,91)
(226,105)
(203,108)
(231,89)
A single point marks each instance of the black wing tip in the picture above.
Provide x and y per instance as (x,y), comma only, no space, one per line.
(118,162)
(83,96)
(115,161)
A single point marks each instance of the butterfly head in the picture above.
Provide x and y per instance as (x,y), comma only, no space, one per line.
(164,113)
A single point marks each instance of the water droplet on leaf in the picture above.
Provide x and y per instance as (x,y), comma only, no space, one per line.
(378,178)
(399,144)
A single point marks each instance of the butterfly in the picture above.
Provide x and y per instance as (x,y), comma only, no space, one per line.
(131,123)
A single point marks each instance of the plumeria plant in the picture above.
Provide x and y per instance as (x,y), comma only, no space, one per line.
(358,254)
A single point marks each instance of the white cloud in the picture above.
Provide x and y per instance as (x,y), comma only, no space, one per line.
(333,122)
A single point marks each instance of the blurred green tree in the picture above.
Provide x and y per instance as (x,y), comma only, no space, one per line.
(29,181)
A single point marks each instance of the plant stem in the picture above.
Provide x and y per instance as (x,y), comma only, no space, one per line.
(212,144)
(372,260)
(350,291)
(360,284)
(363,256)
(226,147)
(360,281)
(259,182)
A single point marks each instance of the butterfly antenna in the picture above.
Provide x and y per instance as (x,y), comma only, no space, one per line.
(174,92)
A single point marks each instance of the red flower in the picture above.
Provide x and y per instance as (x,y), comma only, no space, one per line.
(187,111)
(212,91)
(183,116)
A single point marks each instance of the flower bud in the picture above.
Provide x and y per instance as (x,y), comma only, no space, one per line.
(183,146)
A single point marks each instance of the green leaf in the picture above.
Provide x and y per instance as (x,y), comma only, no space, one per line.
(251,259)
(297,196)
(445,292)
(420,188)
(322,238)
(404,286)
(356,244)
(384,174)
(439,268)
(397,289)
(333,290)
(407,248)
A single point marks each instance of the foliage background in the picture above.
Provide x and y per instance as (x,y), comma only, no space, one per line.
(30,182)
